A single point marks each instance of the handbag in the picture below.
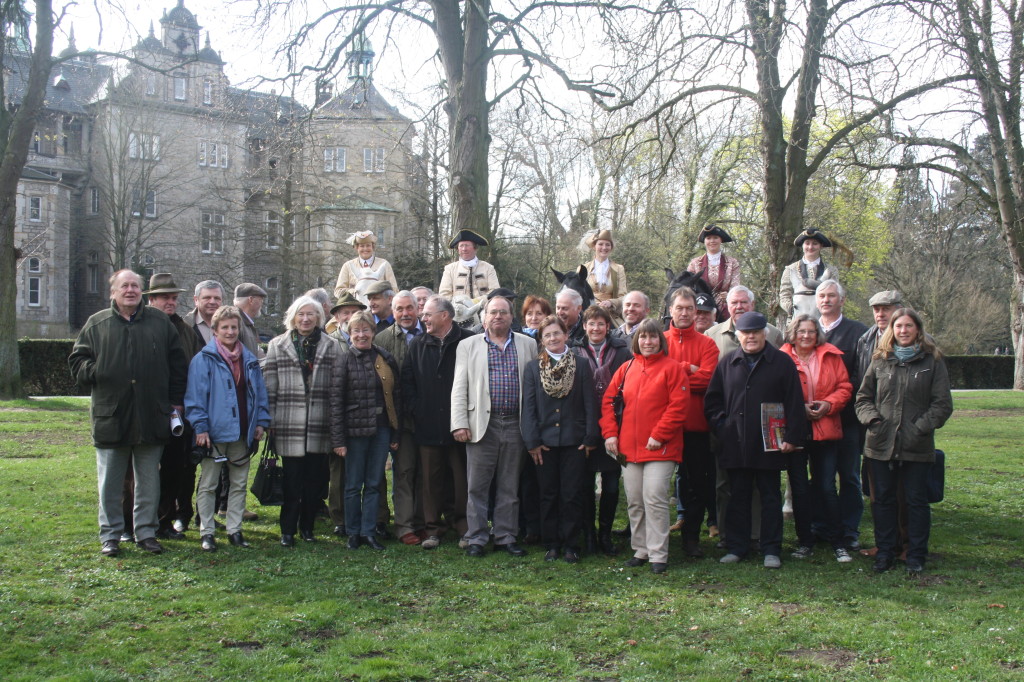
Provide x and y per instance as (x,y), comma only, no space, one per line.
(937,478)
(619,400)
(268,484)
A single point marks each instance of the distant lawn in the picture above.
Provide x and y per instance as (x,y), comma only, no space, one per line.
(323,612)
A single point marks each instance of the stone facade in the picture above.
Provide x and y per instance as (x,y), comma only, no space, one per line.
(171,169)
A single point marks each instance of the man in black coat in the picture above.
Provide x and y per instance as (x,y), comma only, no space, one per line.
(427,376)
(844,334)
(744,381)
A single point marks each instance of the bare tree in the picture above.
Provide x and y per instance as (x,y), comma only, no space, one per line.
(17,120)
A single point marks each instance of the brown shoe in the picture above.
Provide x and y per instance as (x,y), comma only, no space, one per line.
(150,545)
(712,531)
(410,539)
(250,516)
(678,525)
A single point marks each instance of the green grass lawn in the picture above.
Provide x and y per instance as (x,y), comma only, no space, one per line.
(323,612)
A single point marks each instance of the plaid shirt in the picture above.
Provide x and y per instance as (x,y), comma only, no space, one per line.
(503,375)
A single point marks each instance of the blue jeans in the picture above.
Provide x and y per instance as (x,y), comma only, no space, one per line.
(844,460)
(364,472)
(823,457)
(886,478)
(111,466)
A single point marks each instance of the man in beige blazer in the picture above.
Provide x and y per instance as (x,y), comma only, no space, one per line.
(486,401)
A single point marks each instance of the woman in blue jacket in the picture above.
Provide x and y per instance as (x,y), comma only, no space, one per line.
(226,403)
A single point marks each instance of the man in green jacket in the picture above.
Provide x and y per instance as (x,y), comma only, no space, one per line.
(131,359)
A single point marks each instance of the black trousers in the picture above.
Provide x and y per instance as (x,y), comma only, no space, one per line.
(560,477)
(699,489)
(177,481)
(886,478)
(737,516)
(604,511)
(303,482)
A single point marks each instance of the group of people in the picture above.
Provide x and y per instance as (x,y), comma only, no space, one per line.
(519,431)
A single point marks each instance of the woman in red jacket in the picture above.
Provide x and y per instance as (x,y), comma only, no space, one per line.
(649,440)
(827,389)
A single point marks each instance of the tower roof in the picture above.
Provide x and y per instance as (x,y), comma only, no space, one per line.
(181,16)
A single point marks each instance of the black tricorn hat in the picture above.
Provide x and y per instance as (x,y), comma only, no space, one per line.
(503,292)
(812,233)
(713,230)
(467,236)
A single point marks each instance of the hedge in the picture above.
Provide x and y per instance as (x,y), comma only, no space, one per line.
(44,368)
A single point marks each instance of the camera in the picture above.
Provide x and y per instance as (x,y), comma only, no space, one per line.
(198,452)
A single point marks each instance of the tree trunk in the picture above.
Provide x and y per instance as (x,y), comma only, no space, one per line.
(15,154)
(1017,329)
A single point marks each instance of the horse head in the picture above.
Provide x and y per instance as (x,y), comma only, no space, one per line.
(577,281)
(694,280)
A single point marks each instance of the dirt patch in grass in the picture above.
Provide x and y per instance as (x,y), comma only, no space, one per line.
(604,663)
(371,654)
(932,580)
(248,645)
(1016,563)
(786,609)
(836,658)
(707,587)
(320,633)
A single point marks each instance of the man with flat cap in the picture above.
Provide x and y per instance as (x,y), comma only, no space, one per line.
(468,275)
(343,309)
(379,297)
(801,279)
(883,305)
(177,472)
(249,299)
(746,379)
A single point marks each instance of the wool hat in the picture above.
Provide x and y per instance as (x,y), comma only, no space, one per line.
(713,230)
(467,236)
(891,297)
(379,288)
(812,233)
(751,322)
(247,289)
(163,283)
(348,299)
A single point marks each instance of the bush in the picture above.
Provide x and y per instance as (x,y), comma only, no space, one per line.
(980,371)
(44,367)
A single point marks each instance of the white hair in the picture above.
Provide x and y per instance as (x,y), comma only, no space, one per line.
(297,305)
(830,283)
(739,288)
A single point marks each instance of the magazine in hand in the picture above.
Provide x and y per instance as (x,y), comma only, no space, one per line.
(773,426)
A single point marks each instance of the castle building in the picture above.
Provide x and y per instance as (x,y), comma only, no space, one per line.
(160,165)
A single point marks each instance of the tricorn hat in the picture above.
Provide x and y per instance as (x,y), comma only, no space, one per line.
(363,237)
(163,283)
(249,289)
(812,233)
(503,292)
(467,236)
(348,299)
(713,229)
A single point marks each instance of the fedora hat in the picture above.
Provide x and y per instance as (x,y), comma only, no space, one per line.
(162,283)
(348,299)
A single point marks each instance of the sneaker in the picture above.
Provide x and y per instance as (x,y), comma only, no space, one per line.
(803,551)
(843,556)
(730,559)
(772,561)
(432,542)
(178,525)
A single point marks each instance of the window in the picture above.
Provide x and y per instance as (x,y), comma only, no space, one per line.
(334,160)
(144,146)
(151,85)
(35,209)
(272,226)
(92,273)
(213,154)
(373,160)
(207,91)
(34,292)
(94,200)
(180,82)
(380,238)
(34,265)
(271,286)
(213,232)
(144,205)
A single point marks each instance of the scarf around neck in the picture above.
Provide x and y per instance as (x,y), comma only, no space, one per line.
(305,346)
(904,353)
(470,263)
(233,358)
(601,269)
(557,378)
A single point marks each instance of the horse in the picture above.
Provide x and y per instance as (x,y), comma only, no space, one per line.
(365,279)
(467,313)
(683,279)
(577,281)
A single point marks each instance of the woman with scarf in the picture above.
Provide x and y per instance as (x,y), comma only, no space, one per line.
(647,437)
(364,425)
(534,311)
(559,426)
(902,401)
(298,370)
(607,279)
(226,403)
(605,354)
(721,272)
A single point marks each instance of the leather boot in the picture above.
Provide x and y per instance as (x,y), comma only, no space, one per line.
(604,540)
